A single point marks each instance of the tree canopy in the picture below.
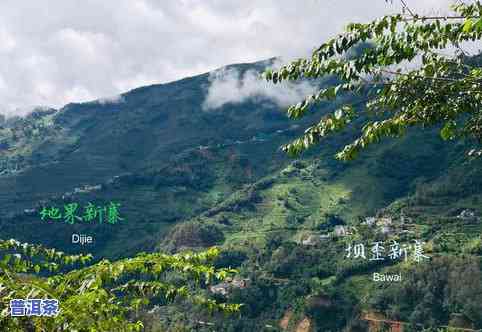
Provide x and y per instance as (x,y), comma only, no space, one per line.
(105,296)
(442,88)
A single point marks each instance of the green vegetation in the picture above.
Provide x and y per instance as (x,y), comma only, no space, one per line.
(442,90)
(188,179)
(258,206)
(105,296)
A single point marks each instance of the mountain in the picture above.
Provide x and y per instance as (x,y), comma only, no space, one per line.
(186,177)
(156,151)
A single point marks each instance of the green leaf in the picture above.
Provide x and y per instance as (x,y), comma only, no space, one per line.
(478,25)
(448,131)
(468,25)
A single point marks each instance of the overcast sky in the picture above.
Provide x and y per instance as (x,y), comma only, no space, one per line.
(59,51)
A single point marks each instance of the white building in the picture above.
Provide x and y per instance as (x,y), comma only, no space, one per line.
(386,230)
(466,214)
(370,221)
(341,230)
(385,221)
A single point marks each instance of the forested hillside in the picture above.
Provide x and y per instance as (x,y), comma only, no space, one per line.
(187,178)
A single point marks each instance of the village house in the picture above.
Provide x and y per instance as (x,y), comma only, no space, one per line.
(313,240)
(88,188)
(221,288)
(386,230)
(467,214)
(29,212)
(341,230)
(225,287)
(239,283)
(385,221)
(370,221)
(384,224)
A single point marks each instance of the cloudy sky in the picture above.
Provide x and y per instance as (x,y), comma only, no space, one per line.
(59,51)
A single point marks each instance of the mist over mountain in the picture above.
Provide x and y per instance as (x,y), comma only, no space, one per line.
(163,154)
(196,163)
(157,150)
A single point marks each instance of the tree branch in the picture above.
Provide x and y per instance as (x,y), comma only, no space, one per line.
(427,18)
(405,6)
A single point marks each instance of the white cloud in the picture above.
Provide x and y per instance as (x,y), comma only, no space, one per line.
(7,42)
(229,85)
(70,51)
(118,99)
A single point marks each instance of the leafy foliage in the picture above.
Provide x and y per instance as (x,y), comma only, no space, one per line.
(105,296)
(431,292)
(443,89)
